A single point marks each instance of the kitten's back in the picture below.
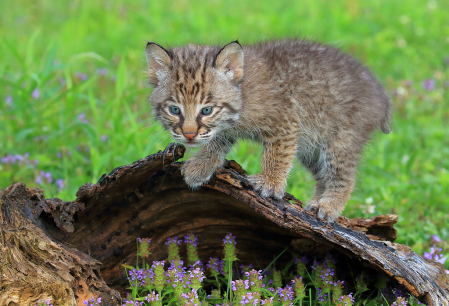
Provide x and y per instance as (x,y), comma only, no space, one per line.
(322,76)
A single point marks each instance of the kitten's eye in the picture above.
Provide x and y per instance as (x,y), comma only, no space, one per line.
(206,110)
(175,110)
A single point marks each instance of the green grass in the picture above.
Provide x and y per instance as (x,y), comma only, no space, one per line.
(45,43)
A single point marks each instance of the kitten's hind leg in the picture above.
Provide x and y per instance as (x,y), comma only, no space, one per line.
(335,173)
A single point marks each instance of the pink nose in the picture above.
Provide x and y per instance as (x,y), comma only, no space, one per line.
(189,135)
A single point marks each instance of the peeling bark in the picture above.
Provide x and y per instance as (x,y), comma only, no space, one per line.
(62,248)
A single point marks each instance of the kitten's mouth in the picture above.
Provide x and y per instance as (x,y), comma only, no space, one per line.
(192,143)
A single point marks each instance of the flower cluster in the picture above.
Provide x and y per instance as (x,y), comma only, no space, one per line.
(301,265)
(153,299)
(286,295)
(92,302)
(428,84)
(16,158)
(190,298)
(159,278)
(196,278)
(436,253)
(47,303)
(173,248)
(140,277)
(184,285)
(400,301)
(191,242)
(249,299)
(255,280)
(44,176)
(229,244)
(345,300)
(299,288)
(133,302)
(245,268)
(144,246)
(215,266)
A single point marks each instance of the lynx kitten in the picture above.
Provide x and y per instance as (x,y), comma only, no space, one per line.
(300,99)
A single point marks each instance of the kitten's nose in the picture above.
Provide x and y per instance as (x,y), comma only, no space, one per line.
(190,135)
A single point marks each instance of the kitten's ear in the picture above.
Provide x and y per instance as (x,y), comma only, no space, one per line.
(159,62)
(230,61)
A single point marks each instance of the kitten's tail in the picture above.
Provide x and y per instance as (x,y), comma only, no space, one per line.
(386,120)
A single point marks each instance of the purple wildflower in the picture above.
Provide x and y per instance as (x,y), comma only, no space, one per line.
(245,268)
(286,295)
(59,154)
(435,254)
(174,240)
(60,184)
(428,84)
(92,301)
(102,71)
(40,138)
(299,288)
(215,265)
(16,158)
(104,137)
(8,100)
(152,297)
(229,247)
(190,298)
(322,297)
(400,301)
(436,238)
(346,299)
(301,265)
(267,302)
(48,177)
(159,279)
(44,175)
(36,93)
(82,117)
(250,298)
(191,239)
(196,278)
(81,76)
(8,159)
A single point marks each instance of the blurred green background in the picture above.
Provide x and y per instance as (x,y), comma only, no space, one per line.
(74,93)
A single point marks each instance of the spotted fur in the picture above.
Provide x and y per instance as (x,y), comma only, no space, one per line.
(300,99)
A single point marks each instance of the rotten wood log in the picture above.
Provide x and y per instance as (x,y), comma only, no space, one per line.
(58,246)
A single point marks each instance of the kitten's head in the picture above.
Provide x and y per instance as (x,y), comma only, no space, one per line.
(196,89)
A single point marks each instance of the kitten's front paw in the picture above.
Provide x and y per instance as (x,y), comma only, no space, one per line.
(267,188)
(324,208)
(196,173)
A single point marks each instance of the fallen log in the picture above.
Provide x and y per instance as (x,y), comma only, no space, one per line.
(74,250)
